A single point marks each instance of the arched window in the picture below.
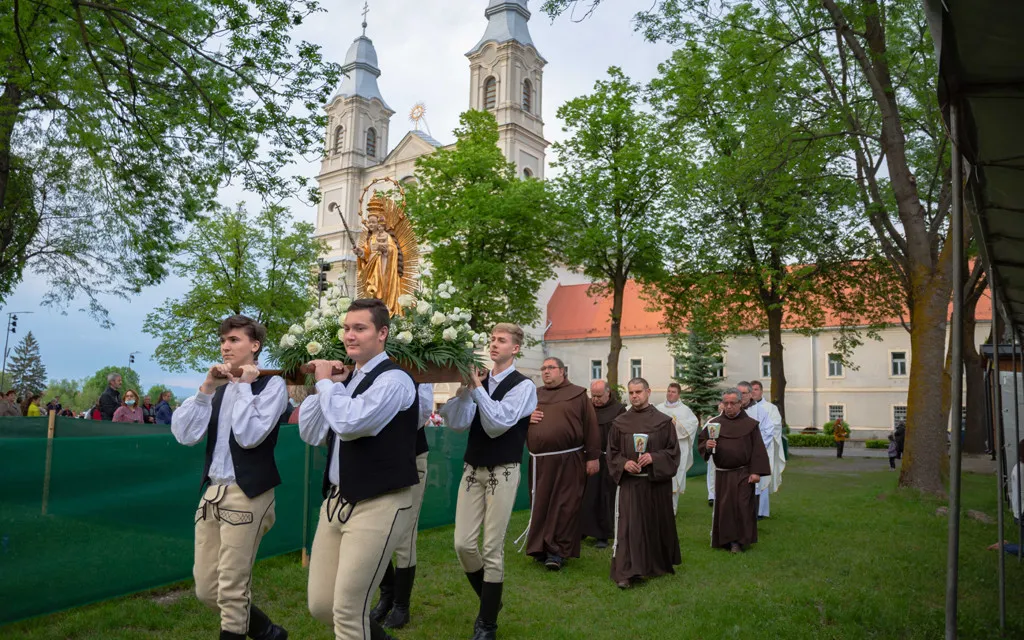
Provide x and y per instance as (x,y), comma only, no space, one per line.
(527,95)
(490,93)
(371,142)
(339,138)
(527,173)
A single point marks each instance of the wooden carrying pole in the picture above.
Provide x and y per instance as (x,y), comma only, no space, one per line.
(50,427)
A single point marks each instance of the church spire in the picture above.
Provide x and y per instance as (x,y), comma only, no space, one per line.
(507,20)
(360,68)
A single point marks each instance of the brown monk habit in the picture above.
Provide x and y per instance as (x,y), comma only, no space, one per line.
(569,422)
(598,512)
(739,452)
(646,543)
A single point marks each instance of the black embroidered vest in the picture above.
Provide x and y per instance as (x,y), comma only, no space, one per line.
(485,451)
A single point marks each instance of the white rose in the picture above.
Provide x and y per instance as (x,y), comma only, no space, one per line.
(341,334)
(466,317)
(313,348)
(457,311)
(423,307)
(295,330)
(438,319)
(311,323)
(406,300)
(344,304)
(469,344)
(449,334)
(404,337)
(288,341)
(444,295)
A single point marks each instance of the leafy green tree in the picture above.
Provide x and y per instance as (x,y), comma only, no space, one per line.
(96,384)
(237,264)
(617,166)
(490,233)
(698,355)
(155,391)
(68,390)
(119,122)
(768,230)
(28,374)
(872,86)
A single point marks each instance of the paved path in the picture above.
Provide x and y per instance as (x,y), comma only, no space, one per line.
(862,459)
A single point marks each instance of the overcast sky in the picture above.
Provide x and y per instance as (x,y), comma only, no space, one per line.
(421,48)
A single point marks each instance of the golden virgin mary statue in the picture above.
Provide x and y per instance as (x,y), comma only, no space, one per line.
(387,254)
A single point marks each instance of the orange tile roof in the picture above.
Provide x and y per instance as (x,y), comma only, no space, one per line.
(576,315)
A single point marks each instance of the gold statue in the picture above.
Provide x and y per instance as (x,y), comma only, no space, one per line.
(387,254)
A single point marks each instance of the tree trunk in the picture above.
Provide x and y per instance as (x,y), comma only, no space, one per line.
(925,459)
(976,432)
(10,102)
(618,294)
(775,356)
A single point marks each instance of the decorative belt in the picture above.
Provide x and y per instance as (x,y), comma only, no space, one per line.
(533,488)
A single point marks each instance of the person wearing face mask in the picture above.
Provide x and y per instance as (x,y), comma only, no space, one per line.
(129,411)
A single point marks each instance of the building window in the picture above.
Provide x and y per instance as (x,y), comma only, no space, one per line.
(835,365)
(836,412)
(371,142)
(766,366)
(596,372)
(899,414)
(527,95)
(678,368)
(636,368)
(527,173)
(490,93)
(720,368)
(898,366)
(339,138)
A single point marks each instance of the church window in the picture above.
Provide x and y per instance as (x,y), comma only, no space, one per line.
(371,142)
(527,173)
(490,93)
(527,95)
(339,138)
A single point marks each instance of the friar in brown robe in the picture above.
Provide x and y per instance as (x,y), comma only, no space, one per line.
(740,460)
(564,443)
(643,456)
(597,516)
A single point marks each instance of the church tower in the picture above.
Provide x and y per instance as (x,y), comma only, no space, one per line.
(358,120)
(506,78)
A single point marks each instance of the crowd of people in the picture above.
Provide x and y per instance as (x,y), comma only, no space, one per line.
(598,469)
(110,406)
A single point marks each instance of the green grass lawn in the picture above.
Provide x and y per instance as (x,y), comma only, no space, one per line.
(843,556)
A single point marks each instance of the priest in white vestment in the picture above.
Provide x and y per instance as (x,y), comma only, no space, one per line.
(686,425)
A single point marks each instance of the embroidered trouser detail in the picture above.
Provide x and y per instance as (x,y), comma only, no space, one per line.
(229,527)
(351,549)
(488,505)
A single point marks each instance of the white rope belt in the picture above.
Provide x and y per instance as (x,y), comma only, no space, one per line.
(533,487)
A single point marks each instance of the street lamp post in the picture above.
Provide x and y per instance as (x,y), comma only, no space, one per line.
(12,326)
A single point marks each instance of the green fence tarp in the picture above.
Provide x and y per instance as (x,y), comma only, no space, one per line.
(119,512)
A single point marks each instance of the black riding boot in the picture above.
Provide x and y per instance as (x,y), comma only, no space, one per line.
(261,628)
(399,616)
(387,596)
(490,603)
(476,580)
(231,635)
(378,633)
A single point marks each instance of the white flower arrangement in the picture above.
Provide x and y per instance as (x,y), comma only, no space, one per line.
(431,334)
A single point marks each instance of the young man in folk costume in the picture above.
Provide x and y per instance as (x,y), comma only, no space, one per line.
(496,408)
(368,418)
(239,416)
